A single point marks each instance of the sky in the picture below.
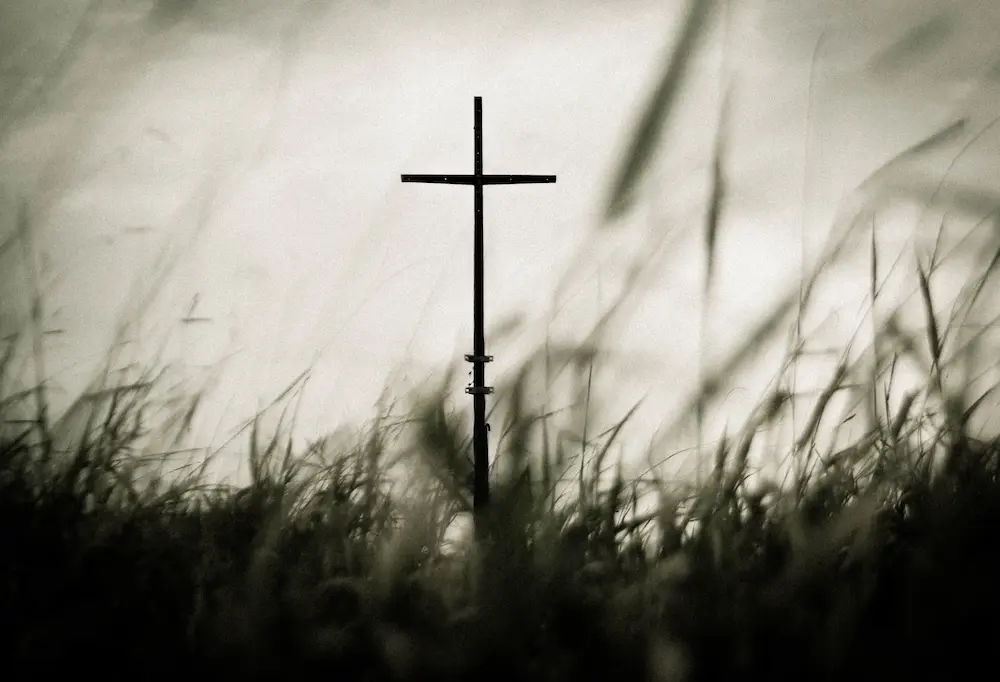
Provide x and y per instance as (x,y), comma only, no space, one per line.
(243,162)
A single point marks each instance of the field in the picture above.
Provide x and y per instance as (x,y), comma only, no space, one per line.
(878,562)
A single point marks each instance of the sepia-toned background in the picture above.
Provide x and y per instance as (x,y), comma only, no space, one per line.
(231,172)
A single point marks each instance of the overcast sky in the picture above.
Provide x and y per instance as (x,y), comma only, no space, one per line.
(264,148)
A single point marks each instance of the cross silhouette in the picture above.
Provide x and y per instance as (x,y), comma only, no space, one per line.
(478,358)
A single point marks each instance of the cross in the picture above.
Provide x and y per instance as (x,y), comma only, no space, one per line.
(478,358)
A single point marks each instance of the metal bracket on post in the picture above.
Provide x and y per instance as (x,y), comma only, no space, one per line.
(478,359)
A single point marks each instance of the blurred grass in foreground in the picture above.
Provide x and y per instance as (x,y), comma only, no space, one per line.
(877,562)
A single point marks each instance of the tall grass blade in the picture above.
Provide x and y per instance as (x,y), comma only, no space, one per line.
(717,196)
(714,383)
(943,136)
(820,407)
(646,138)
(586,422)
(872,397)
(901,416)
(715,204)
(916,42)
(933,335)
(980,286)
(616,429)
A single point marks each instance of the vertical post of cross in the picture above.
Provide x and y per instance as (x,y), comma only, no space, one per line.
(478,358)
(479,389)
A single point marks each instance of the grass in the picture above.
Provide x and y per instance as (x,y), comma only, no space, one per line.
(876,557)
(876,560)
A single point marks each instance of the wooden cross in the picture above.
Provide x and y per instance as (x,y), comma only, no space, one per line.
(478,358)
